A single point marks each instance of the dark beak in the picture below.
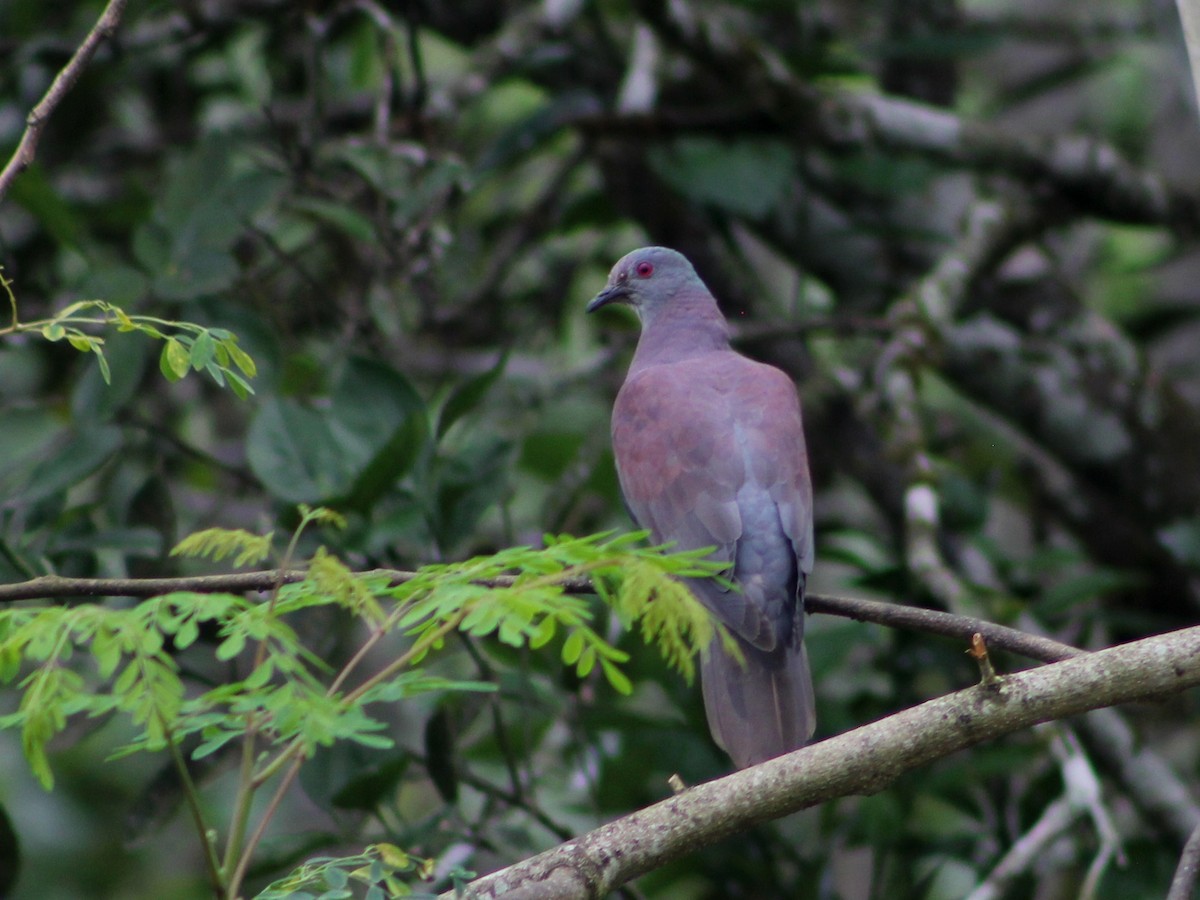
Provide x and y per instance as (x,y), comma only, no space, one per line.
(618,293)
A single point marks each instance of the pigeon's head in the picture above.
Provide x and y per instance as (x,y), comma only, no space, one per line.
(647,279)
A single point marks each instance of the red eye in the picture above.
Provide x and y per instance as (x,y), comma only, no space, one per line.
(644,269)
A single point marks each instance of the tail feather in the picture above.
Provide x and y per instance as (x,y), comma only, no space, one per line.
(762,709)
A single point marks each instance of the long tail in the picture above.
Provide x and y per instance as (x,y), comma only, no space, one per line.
(762,709)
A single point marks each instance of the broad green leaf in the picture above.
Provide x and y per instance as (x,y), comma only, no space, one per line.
(391,463)
(371,401)
(67,465)
(468,395)
(27,433)
(745,177)
(100,399)
(57,217)
(291,450)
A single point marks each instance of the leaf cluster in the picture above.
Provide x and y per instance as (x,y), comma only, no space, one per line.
(377,868)
(97,660)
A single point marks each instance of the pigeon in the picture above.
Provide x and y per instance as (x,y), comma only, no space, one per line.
(710,453)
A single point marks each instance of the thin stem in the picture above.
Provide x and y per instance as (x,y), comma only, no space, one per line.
(239,873)
(192,796)
(242,802)
(416,651)
(248,784)
(6,283)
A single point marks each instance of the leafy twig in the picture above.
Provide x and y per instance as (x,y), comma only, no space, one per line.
(893,615)
(186,346)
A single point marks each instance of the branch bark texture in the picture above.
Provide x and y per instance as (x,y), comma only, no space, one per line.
(863,761)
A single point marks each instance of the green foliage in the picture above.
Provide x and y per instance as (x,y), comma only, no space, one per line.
(377,868)
(187,347)
(218,543)
(382,201)
(289,702)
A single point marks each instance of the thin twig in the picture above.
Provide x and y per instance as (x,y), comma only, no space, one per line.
(931,621)
(1055,820)
(26,150)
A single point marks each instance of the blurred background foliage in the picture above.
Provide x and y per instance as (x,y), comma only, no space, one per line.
(401,209)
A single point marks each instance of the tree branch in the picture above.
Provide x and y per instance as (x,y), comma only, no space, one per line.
(1184,883)
(65,80)
(931,621)
(1090,175)
(893,615)
(862,761)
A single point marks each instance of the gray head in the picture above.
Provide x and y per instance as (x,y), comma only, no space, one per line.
(648,279)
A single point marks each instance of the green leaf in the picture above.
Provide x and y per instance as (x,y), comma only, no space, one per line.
(468,395)
(82,342)
(618,679)
(99,398)
(240,357)
(370,401)
(187,634)
(572,648)
(174,360)
(58,218)
(201,212)
(1087,586)
(203,351)
(239,385)
(217,543)
(294,454)
(745,177)
(543,633)
(231,646)
(87,450)
(105,373)
(389,465)
(344,218)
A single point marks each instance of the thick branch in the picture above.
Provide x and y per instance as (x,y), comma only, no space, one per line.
(862,761)
(65,80)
